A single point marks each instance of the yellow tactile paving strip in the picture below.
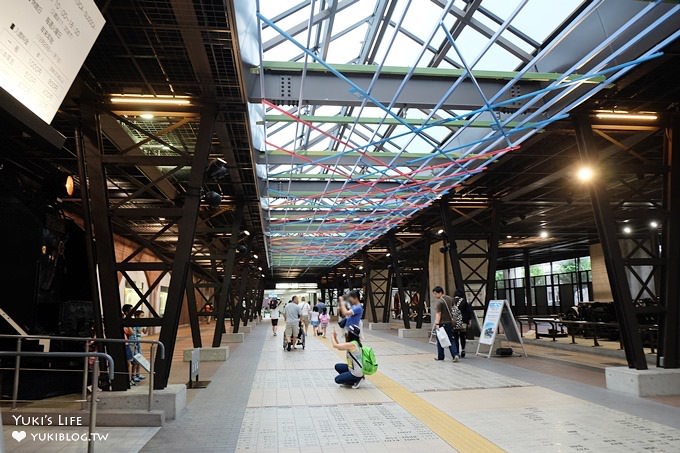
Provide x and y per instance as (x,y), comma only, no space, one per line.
(459,436)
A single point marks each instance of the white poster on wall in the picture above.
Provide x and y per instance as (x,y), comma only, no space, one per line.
(43,44)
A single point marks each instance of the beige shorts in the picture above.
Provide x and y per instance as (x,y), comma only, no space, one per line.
(292,330)
(305,320)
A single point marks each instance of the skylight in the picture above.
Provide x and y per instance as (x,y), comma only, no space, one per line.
(357,158)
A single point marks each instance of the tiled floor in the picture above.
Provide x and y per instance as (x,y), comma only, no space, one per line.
(296,406)
(264,399)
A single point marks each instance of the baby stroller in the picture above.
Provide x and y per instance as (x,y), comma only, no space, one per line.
(300,338)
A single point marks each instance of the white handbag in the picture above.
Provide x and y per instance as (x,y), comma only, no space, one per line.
(443,337)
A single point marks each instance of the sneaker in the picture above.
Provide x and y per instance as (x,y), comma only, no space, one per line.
(456,358)
(436,359)
(288,346)
(140,377)
(136,379)
(132,383)
(357,383)
(274,333)
(462,354)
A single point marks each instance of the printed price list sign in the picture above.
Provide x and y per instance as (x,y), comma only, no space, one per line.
(43,44)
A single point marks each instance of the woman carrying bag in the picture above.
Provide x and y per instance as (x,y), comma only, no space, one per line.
(443,324)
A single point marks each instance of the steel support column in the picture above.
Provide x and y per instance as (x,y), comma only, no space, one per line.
(400,283)
(492,258)
(527,284)
(89,236)
(451,243)
(670,341)
(424,284)
(182,259)
(237,310)
(606,227)
(193,312)
(89,141)
(368,285)
(223,296)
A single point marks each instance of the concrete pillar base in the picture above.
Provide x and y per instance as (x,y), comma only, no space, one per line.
(220,354)
(171,400)
(414,333)
(233,337)
(653,382)
(379,326)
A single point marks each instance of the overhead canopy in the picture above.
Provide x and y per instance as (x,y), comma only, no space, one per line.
(365,112)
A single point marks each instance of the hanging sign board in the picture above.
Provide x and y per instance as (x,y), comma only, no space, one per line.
(498,314)
(43,44)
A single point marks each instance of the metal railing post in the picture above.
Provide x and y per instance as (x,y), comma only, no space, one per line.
(15,384)
(151,375)
(93,407)
(83,393)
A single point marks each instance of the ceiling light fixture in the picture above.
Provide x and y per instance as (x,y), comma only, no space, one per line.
(255,256)
(585,174)
(508,236)
(69,185)
(623,115)
(146,116)
(149,99)
(440,232)
(627,230)
(388,254)
(246,232)
(544,234)
(654,224)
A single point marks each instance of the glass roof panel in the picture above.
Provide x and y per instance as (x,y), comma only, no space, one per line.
(378,161)
(540,18)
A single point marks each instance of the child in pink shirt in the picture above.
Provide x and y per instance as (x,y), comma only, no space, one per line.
(324,319)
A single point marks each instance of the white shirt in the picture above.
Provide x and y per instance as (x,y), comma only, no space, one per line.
(275,313)
(305,309)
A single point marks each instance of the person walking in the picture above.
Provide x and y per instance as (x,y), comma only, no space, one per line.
(324,319)
(275,312)
(137,332)
(351,372)
(315,320)
(444,319)
(321,305)
(305,313)
(465,309)
(292,314)
(355,311)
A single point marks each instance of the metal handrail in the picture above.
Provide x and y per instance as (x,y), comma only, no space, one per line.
(92,420)
(154,344)
(95,339)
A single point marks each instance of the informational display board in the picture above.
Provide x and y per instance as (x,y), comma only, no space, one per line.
(43,44)
(491,320)
(499,313)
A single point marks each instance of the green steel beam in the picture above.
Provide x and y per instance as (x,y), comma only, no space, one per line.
(387,121)
(292,66)
(335,177)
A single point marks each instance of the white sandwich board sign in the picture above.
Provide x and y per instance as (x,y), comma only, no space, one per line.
(498,313)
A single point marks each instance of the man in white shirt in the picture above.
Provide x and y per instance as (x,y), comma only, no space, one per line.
(305,313)
(292,314)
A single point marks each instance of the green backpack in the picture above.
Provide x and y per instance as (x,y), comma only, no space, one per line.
(370,363)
